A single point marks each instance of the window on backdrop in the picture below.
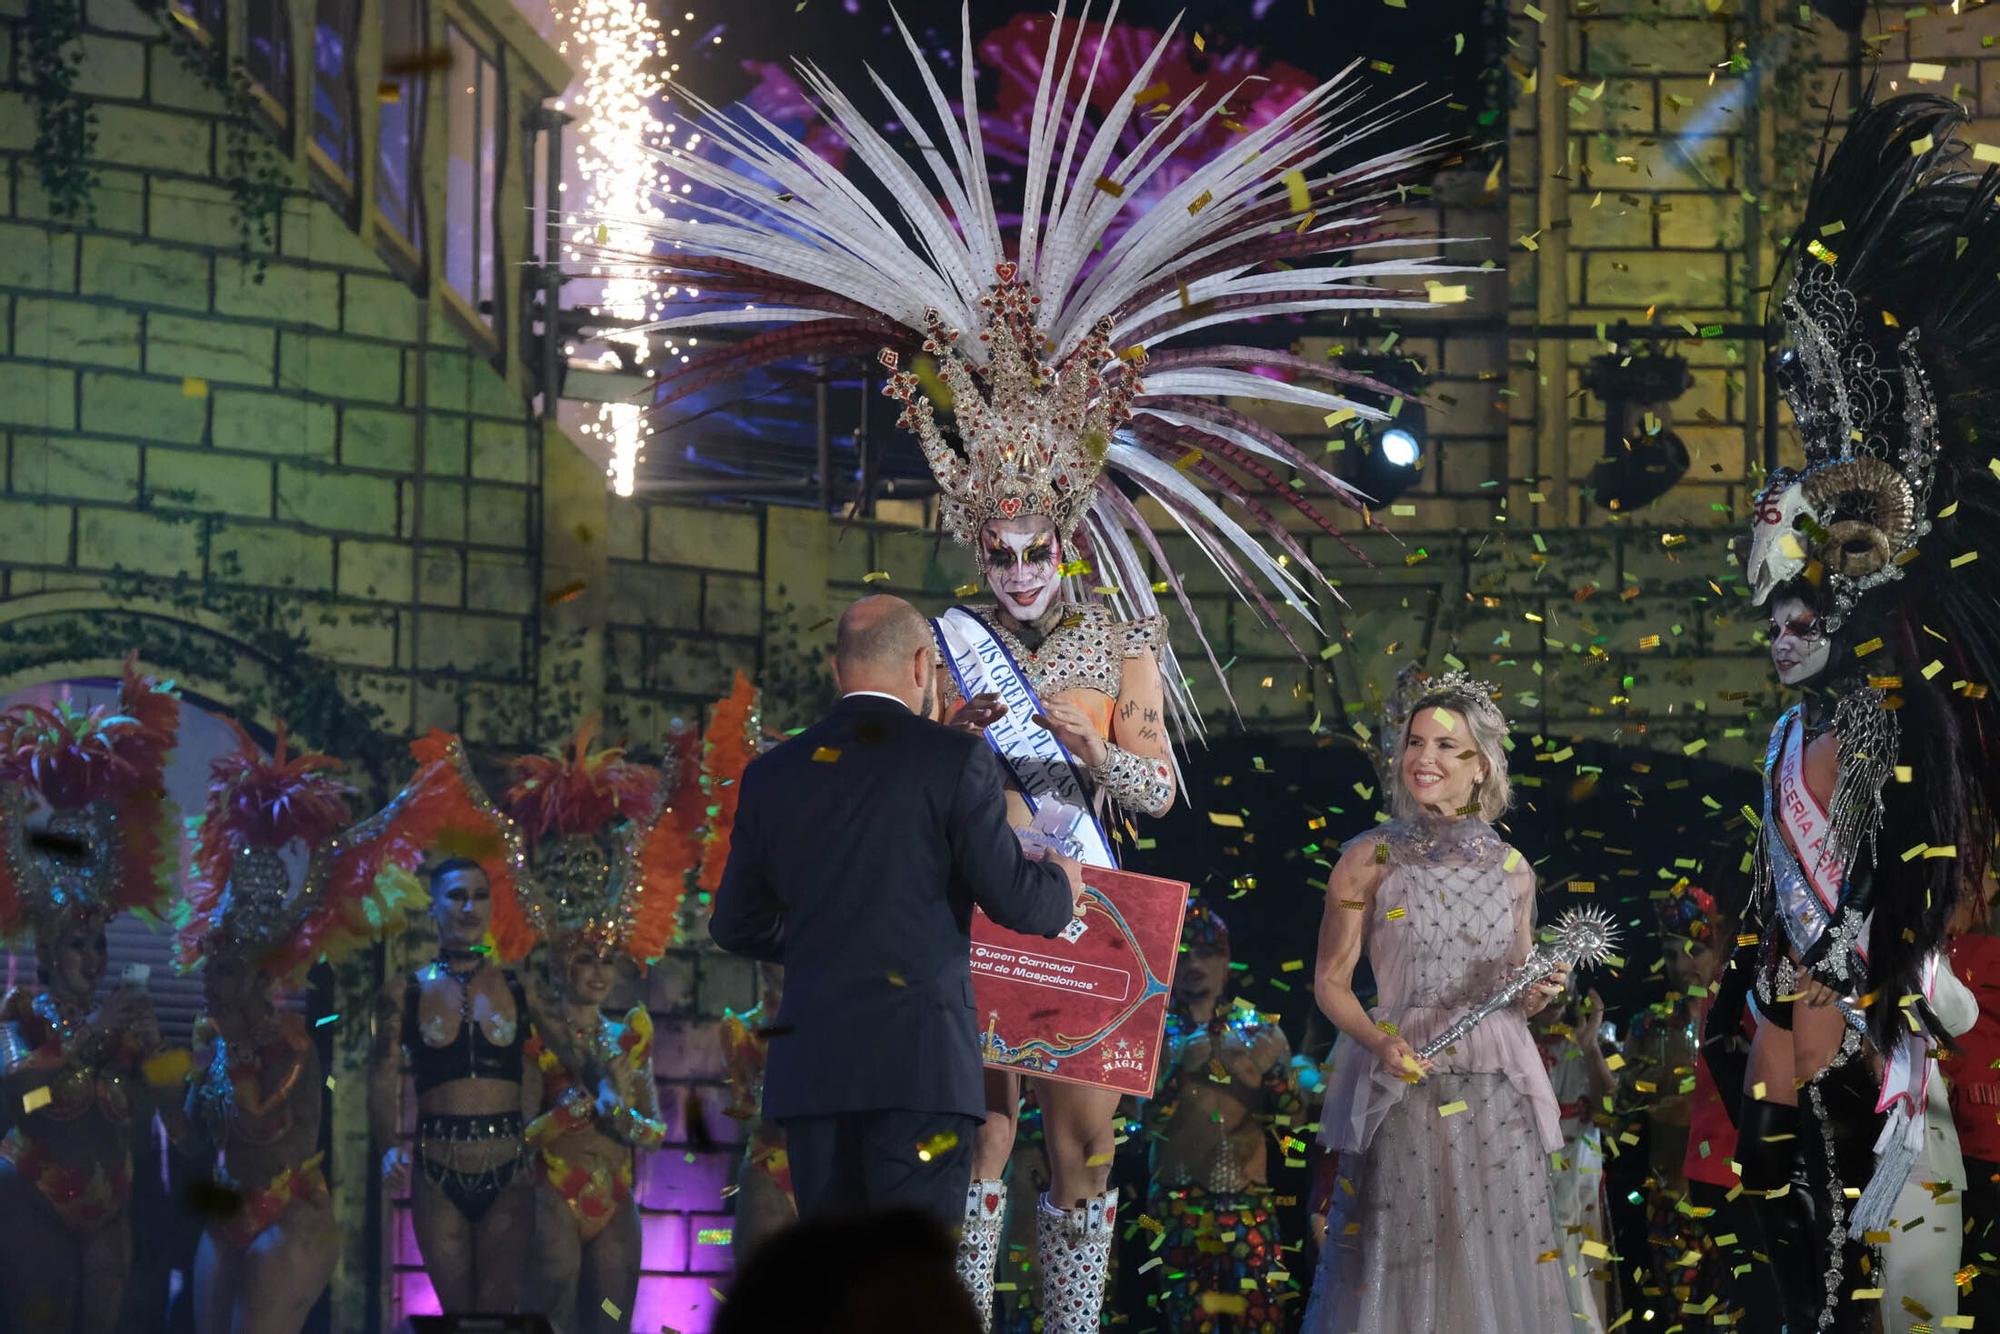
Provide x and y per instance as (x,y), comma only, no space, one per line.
(267,53)
(399,144)
(472,169)
(336,27)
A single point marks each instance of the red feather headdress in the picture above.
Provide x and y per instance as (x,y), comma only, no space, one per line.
(102,773)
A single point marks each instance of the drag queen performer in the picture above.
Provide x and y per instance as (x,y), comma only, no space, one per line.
(254,1096)
(1450,1214)
(75,1078)
(1049,376)
(1885,610)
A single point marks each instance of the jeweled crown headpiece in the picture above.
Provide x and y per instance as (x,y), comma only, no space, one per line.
(1035,436)
(1456,690)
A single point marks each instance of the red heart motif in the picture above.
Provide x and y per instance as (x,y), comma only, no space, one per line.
(992,1201)
(1007,270)
(1011,506)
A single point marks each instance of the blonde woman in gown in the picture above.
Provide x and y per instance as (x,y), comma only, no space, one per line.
(1442,1220)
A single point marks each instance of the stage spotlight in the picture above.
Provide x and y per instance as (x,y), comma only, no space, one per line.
(1643,458)
(1387,459)
(1399,448)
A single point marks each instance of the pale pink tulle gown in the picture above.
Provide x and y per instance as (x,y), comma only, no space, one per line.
(1448,1222)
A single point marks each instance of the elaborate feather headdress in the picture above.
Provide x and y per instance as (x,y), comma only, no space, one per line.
(108,844)
(240,897)
(1894,314)
(1054,358)
(583,841)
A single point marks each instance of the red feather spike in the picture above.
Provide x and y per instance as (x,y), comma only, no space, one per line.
(577,793)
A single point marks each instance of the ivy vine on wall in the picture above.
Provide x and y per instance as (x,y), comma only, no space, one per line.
(65,123)
(257,175)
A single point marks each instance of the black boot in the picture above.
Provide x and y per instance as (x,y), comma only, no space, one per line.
(1839,1152)
(1767,1149)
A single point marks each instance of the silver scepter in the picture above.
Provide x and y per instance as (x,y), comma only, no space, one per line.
(1580,936)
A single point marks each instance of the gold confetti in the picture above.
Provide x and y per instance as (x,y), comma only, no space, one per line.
(965,590)
(1862,650)
(568,592)
(1454,1108)
(1396,914)
(875,577)
(1295,186)
(603,234)
(387,93)
(944,1142)
(1098,1160)
(168,1067)
(1153,93)
(826,755)
(1595,1250)
(193,386)
(1985,153)
(1924,72)
(1111,187)
(1200,202)
(1965,559)
(35,1099)
(1225,819)
(1918,147)
(611,1309)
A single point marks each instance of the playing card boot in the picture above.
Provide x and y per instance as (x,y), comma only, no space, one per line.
(979,1244)
(1075,1247)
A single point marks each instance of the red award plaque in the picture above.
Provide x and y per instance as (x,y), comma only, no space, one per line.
(1085,1008)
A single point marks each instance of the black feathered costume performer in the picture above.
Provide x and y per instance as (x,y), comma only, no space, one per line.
(1891,536)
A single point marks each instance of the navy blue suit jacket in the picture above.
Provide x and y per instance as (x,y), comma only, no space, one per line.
(859,850)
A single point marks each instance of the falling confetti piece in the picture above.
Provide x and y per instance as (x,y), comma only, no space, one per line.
(1985,153)
(169,1067)
(568,592)
(965,590)
(1965,559)
(193,386)
(1453,1108)
(943,1142)
(36,1099)
(826,755)
(1225,819)
(1110,187)
(1200,202)
(1924,72)
(611,1309)
(1295,186)
(875,577)
(388,94)
(603,234)
(1919,147)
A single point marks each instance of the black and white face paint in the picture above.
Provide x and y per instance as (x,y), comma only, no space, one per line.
(1022,561)
(1799,643)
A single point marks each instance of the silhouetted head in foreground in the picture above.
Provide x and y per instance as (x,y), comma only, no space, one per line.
(857,1275)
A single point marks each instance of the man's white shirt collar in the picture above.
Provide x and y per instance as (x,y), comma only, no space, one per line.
(873,694)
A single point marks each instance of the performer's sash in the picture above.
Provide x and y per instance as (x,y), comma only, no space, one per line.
(1040,764)
(1806,873)
(1808,878)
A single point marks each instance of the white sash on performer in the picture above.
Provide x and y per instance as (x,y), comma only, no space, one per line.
(1905,1090)
(1039,762)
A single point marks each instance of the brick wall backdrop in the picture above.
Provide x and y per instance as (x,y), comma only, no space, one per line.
(329,441)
